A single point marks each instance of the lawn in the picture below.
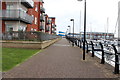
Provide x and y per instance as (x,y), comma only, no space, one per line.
(14,56)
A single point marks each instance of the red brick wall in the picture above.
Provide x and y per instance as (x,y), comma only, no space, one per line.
(37,15)
(3,22)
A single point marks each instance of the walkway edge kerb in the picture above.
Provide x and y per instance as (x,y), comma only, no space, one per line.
(27,44)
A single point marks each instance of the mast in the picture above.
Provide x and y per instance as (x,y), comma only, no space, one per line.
(107,25)
(80,24)
(119,23)
(90,30)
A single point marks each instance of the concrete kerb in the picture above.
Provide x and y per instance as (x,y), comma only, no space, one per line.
(28,44)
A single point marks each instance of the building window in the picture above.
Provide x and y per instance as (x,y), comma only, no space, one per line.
(9,27)
(35,20)
(9,6)
(36,8)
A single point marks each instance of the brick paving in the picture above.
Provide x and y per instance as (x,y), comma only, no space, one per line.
(60,60)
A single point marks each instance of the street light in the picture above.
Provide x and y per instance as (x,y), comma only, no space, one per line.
(69,30)
(73,30)
(84,29)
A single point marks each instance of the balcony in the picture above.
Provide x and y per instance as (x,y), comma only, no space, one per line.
(16,15)
(41,27)
(53,32)
(47,28)
(28,3)
(53,26)
(42,9)
(41,18)
(48,21)
(41,1)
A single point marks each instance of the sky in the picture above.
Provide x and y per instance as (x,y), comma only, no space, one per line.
(100,13)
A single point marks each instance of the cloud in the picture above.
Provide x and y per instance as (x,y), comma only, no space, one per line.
(97,13)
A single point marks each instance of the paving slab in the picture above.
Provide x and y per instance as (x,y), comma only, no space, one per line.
(60,60)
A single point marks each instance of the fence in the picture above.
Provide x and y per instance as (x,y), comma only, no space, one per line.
(101,51)
(28,36)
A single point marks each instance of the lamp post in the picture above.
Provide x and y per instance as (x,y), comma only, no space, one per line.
(69,30)
(73,30)
(84,28)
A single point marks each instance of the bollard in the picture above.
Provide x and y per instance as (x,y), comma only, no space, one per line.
(92,48)
(103,58)
(116,70)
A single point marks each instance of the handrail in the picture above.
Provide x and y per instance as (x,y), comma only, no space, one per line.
(101,49)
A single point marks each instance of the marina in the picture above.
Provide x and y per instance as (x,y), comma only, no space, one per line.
(106,50)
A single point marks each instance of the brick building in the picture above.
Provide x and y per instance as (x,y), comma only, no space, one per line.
(15,15)
(26,16)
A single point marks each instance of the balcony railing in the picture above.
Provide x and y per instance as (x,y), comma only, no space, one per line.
(53,32)
(42,9)
(41,1)
(41,27)
(53,26)
(16,15)
(28,3)
(47,28)
(41,18)
(48,21)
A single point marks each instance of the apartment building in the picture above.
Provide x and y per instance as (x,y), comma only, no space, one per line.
(53,25)
(26,15)
(47,24)
(39,20)
(15,15)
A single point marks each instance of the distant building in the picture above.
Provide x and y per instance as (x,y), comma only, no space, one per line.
(61,33)
(53,25)
(94,35)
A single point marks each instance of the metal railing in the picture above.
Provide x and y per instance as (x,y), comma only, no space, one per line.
(47,28)
(16,15)
(42,9)
(48,21)
(28,3)
(104,55)
(41,27)
(28,36)
(41,18)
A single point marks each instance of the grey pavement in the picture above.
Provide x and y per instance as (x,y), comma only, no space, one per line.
(60,60)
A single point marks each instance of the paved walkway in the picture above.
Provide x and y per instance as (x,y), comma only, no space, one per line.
(60,60)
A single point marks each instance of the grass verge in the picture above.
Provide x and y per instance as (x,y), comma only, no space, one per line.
(11,57)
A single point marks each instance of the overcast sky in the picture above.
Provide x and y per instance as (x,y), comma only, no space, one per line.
(97,13)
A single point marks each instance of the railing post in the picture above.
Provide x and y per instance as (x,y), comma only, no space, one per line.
(69,39)
(87,46)
(92,48)
(72,41)
(116,70)
(103,59)
(78,42)
(75,41)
